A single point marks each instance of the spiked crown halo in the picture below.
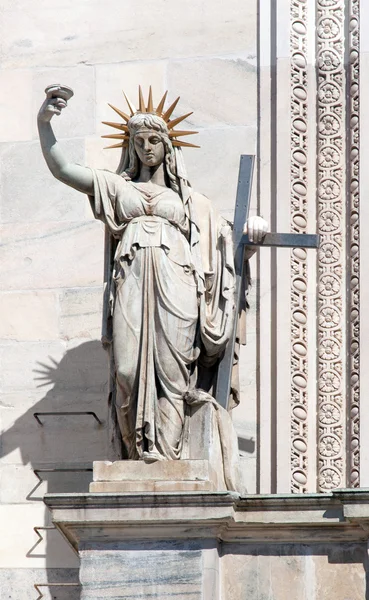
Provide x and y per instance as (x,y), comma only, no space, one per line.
(148,109)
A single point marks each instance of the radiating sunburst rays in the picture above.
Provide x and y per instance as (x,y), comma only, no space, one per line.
(149,108)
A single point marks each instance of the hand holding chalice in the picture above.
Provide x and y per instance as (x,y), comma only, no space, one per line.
(57,97)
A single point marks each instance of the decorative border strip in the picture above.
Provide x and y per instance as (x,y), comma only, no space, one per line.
(353,341)
(298,264)
(331,223)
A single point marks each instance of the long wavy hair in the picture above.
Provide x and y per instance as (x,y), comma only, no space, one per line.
(129,165)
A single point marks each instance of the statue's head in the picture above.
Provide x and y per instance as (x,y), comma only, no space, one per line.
(149,144)
(148,137)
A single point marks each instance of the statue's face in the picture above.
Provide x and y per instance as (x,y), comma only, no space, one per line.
(149,147)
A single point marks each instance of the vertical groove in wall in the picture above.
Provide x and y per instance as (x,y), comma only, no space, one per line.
(258,194)
(353,253)
(299,217)
(331,152)
(273,254)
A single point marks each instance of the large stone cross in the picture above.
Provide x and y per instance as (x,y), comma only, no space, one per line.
(240,240)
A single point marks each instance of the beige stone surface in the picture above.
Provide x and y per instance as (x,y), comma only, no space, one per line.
(51,259)
(74,382)
(52,370)
(53,377)
(295,572)
(204,442)
(364,45)
(51,255)
(64,440)
(23,482)
(79,118)
(211,572)
(137,470)
(221,147)
(112,79)
(30,316)
(30,356)
(66,34)
(26,488)
(245,416)
(263,575)
(345,568)
(201,85)
(16,114)
(97,157)
(19,583)
(248,462)
(80,313)
(18,538)
(124,487)
(46,199)
(160,476)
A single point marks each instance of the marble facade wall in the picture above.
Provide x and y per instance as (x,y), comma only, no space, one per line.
(281,78)
(51,263)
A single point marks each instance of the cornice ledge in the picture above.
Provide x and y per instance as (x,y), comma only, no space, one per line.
(342,515)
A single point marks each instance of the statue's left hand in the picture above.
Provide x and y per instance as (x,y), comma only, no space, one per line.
(57,97)
(256,228)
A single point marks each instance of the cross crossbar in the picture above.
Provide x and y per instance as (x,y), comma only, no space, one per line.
(285,240)
(240,241)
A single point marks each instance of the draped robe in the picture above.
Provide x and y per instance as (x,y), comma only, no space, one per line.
(172,304)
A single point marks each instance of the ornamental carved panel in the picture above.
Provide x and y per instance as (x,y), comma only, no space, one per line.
(299,215)
(336,176)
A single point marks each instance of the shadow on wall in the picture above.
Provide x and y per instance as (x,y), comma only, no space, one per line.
(60,450)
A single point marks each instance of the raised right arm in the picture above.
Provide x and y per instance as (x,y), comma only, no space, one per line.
(73,175)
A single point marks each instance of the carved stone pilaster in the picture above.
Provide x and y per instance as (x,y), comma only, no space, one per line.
(299,215)
(331,88)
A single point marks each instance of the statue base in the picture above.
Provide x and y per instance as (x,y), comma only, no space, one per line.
(161,476)
(209,460)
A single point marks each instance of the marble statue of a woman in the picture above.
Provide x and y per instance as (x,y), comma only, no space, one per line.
(172,280)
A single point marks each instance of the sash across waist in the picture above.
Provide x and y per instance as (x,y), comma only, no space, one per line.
(147,232)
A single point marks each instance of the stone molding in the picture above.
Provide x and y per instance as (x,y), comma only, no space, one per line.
(85,519)
(353,255)
(334,28)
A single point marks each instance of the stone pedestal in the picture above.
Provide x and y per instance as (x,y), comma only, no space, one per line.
(145,546)
(209,461)
(217,546)
(161,476)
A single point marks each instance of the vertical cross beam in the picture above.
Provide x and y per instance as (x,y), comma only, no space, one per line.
(240,217)
(240,240)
